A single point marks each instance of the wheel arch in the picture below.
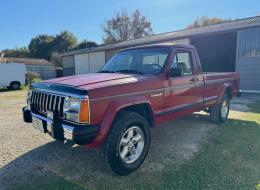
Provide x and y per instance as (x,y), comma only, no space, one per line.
(15,82)
(225,89)
(139,105)
(143,109)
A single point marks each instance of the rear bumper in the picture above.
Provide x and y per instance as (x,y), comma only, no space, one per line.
(79,134)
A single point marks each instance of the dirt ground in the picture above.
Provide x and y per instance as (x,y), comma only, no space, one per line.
(28,155)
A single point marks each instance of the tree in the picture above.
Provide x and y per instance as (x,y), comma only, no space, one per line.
(86,44)
(140,26)
(56,59)
(17,52)
(49,46)
(41,46)
(122,27)
(206,21)
(64,41)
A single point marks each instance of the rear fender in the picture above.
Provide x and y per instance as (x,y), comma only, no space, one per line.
(110,115)
(222,91)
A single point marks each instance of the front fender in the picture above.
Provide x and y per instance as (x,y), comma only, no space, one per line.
(110,115)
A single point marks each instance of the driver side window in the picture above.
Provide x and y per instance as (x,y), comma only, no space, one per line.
(155,59)
(182,60)
(153,63)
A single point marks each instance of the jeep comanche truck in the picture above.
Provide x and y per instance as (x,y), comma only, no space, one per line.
(138,88)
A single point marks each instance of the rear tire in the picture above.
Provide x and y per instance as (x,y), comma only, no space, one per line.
(219,113)
(127,143)
(15,86)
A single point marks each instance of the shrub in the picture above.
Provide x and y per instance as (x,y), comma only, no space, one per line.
(33,77)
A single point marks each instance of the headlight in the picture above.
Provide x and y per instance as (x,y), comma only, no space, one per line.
(76,110)
(72,105)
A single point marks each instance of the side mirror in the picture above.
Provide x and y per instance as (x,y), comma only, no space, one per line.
(175,72)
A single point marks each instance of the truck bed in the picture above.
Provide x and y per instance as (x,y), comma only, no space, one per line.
(214,82)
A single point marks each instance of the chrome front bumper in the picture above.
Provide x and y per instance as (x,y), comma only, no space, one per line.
(67,130)
(79,134)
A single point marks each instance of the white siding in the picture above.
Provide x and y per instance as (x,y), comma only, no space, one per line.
(89,62)
(45,72)
(248,59)
(81,63)
(96,61)
(184,41)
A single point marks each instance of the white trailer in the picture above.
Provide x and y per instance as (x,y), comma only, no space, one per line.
(12,75)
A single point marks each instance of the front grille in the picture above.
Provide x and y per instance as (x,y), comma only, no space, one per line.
(42,102)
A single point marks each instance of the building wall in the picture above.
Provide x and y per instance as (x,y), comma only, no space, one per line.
(81,63)
(89,62)
(248,59)
(96,61)
(185,41)
(110,53)
(68,65)
(45,72)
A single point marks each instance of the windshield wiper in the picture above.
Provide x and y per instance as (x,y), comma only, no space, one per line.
(106,71)
(129,71)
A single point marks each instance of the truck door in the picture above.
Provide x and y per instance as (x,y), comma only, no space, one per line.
(182,91)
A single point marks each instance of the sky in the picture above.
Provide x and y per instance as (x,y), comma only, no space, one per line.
(22,20)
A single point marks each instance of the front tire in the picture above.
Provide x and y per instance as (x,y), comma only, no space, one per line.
(219,113)
(127,144)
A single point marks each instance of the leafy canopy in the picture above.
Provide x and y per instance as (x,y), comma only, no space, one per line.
(123,27)
(206,21)
(49,46)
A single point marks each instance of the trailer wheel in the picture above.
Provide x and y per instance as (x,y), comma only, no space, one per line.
(219,113)
(127,144)
(15,85)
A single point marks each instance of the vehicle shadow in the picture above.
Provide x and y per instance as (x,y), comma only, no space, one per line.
(173,143)
(9,90)
(5,90)
(245,103)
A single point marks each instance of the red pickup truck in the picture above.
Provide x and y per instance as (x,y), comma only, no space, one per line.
(114,110)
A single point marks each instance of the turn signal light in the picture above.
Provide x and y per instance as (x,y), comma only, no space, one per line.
(84,116)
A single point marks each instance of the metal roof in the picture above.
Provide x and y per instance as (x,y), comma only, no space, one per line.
(159,45)
(223,27)
(26,61)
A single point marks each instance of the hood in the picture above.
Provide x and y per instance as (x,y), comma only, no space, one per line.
(97,80)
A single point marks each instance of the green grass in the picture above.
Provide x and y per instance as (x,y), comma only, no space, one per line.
(52,184)
(229,160)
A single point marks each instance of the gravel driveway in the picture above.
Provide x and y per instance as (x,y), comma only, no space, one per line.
(28,155)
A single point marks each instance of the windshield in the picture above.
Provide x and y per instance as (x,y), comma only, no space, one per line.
(138,61)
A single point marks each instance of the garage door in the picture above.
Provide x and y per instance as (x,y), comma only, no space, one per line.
(81,63)
(68,65)
(96,61)
(89,62)
(248,59)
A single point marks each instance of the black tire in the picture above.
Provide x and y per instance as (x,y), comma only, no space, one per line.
(15,86)
(111,147)
(216,115)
